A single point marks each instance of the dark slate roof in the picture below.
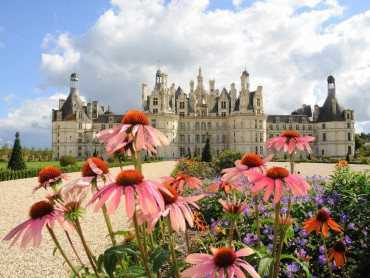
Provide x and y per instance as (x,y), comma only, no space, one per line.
(305,110)
(250,104)
(178,92)
(67,107)
(215,108)
(285,118)
(190,109)
(105,118)
(237,105)
(326,114)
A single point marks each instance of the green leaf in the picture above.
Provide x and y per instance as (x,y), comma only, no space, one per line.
(55,250)
(78,269)
(158,258)
(288,234)
(264,266)
(266,220)
(110,256)
(134,272)
(100,262)
(303,264)
(121,233)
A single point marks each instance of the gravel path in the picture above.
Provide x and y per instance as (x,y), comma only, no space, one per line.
(16,198)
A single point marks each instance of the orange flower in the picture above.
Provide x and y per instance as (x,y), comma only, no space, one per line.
(342,163)
(322,217)
(287,221)
(338,252)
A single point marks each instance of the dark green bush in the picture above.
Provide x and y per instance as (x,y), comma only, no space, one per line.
(227,158)
(67,160)
(16,161)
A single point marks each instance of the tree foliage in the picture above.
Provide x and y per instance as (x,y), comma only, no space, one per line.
(207,151)
(16,161)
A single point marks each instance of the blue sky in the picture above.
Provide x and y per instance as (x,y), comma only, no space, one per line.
(289,47)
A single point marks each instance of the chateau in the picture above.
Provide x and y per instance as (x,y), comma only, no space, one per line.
(233,119)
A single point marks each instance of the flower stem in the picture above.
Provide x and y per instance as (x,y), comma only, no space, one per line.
(231,233)
(161,228)
(141,249)
(256,209)
(87,249)
(62,252)
(281,242)
(174,259)
(237,231)
(276,230)
(326,256)
(143,228)
(73,248)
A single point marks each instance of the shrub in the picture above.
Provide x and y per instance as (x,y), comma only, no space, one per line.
(16,161)
(200,170)
(227,158)
(67,160)
(207,151)
(325,157)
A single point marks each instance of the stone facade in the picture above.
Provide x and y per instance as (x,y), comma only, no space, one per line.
(233,119)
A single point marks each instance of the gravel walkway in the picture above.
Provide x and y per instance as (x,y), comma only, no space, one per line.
(16,198)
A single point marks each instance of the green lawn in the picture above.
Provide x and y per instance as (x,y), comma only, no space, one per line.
(39,164)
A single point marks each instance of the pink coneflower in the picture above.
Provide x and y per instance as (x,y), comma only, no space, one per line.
(131,182)
(50,176)
(128,146)
(233,208)
(275,178)
(223,259)
(181,180)
(93,169)
(225,186)
(250,161)
(289,139)
(41,213)
(178,209)
(134,124)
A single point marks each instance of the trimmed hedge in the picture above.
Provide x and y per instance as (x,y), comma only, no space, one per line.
(6,175)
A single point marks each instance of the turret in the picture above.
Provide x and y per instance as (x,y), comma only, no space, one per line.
(331,86)
(144,95)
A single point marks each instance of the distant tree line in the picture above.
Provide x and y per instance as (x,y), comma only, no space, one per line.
(32,154)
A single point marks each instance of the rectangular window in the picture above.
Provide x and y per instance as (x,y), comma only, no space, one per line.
(303,127)
(284,127)
(188,125)
(103,126)
(182,139)
(80,126)
(323,126)
(155,101)
(223,126)
(290,127)
(310,127)
(58,126)
(182,126)
(203,138)
(271,135)
(155,110)
(80,148)
(197,126)
(110,125)
(182,151)
(348,125)
(154,123)
(297,127)
(197,138)
(223,104)
(324,137)
(349,136)
(223,114)
(182,105)
(260,123)
(218,139)
(271,127)
(256,137)
(79,135)
(223,139)
(261,150)
(182,114)
(261,137)
(79,140)
(258,102)
(277,127)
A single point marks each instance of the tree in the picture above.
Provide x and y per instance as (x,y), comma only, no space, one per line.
(359,141)
(5,151)
(33,153)
(16,160)
(26,153)
(207,151)
(39,154)
(189,154)
(195,151)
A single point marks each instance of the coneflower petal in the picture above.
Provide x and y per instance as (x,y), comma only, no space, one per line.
(115,201)
(244,252)
(130,201)
(249,269)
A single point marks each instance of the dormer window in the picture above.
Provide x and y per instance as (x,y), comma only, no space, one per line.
(155,101)
(223,104)
(182,105)
(277,119)
(290,119)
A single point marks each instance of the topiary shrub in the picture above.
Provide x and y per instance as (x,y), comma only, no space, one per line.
(207,151)
(227,158)
(67,160)
(16,161)
(325,158)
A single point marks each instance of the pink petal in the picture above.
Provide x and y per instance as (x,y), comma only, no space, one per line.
(278,190)
(248,268)
(268,191)
(238,272)
(198,258)
(244,252)
(230,270)
(94,168)
(130,201)
(115,201)
(104,197)
(198,270)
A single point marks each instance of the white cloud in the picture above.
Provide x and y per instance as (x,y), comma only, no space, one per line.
(237,3)
(9,98)
(32,119)
(288,51)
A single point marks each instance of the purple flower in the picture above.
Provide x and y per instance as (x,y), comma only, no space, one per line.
(310,214)
(322,249)
(285,200)
(265,231)
(296,229)
(363,245)
(270,228)
(347,239)
(271,237)
(303,242)
(302,252)
(364,232)
(322,259)
(351,226)
(283,210)
(227,223)
(303,233)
